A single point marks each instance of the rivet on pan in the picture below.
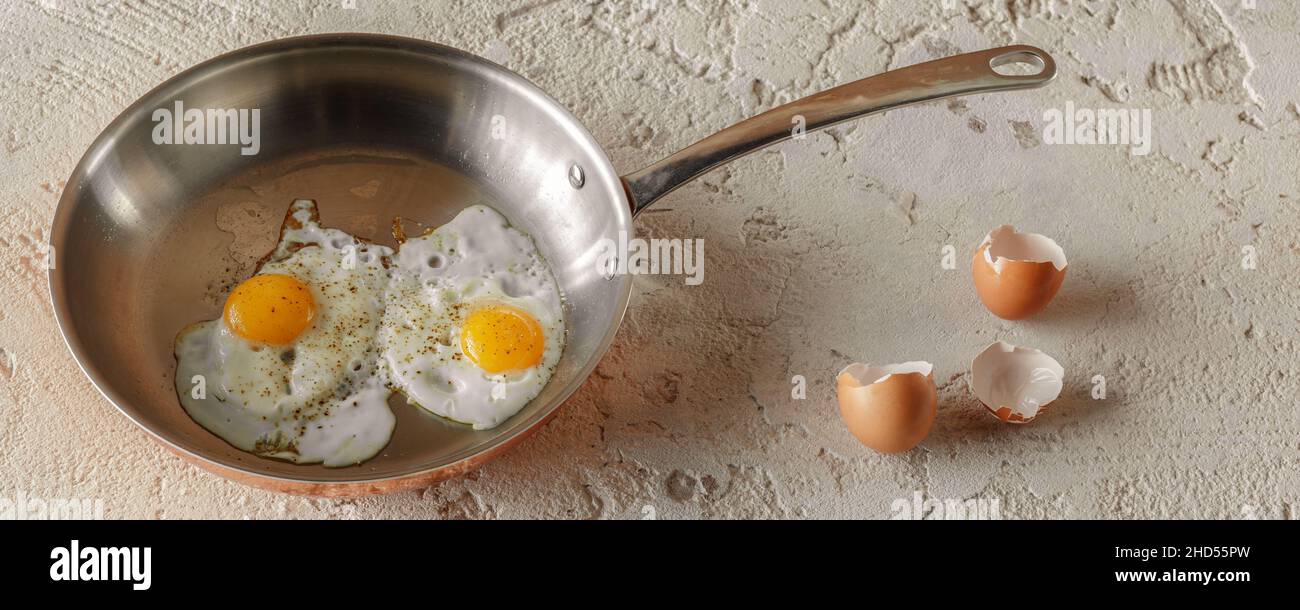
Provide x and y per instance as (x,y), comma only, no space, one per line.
(576,177)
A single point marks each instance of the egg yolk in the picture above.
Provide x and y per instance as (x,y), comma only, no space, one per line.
(501,338)
(270,308)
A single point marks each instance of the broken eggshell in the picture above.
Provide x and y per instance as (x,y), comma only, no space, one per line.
(891,407)
(1015,383)
(1017,274)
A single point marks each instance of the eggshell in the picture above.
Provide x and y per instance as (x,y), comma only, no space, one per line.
(1017,274)
(1016,384)
(889,408)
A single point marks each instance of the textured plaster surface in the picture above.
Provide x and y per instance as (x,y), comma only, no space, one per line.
(819,252)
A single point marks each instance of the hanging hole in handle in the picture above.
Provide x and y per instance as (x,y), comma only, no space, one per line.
(1018,63)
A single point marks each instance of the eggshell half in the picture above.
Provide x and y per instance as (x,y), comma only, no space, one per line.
(1017,274)
(1015,383)
(890,408)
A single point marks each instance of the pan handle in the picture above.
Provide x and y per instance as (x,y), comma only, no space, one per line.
(947,77)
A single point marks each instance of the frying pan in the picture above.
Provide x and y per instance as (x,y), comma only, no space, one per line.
(150,236)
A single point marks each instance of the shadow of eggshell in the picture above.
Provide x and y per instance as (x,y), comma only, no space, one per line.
(889,408)
(1017,274)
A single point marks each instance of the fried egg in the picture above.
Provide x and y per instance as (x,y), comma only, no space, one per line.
(291,369)
(465,321)
(473,323)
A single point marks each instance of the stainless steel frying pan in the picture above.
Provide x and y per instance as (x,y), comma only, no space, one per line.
(149,236)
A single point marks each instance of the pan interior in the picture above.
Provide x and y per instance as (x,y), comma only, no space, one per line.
(151,237)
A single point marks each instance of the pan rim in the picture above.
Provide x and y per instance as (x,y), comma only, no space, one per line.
(248,473)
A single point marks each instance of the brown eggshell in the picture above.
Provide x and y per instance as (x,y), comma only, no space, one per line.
(1016,384)
(1018,289)
(889,416)
(1011,417)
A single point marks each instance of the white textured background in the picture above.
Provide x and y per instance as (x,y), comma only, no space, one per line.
(819,252)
